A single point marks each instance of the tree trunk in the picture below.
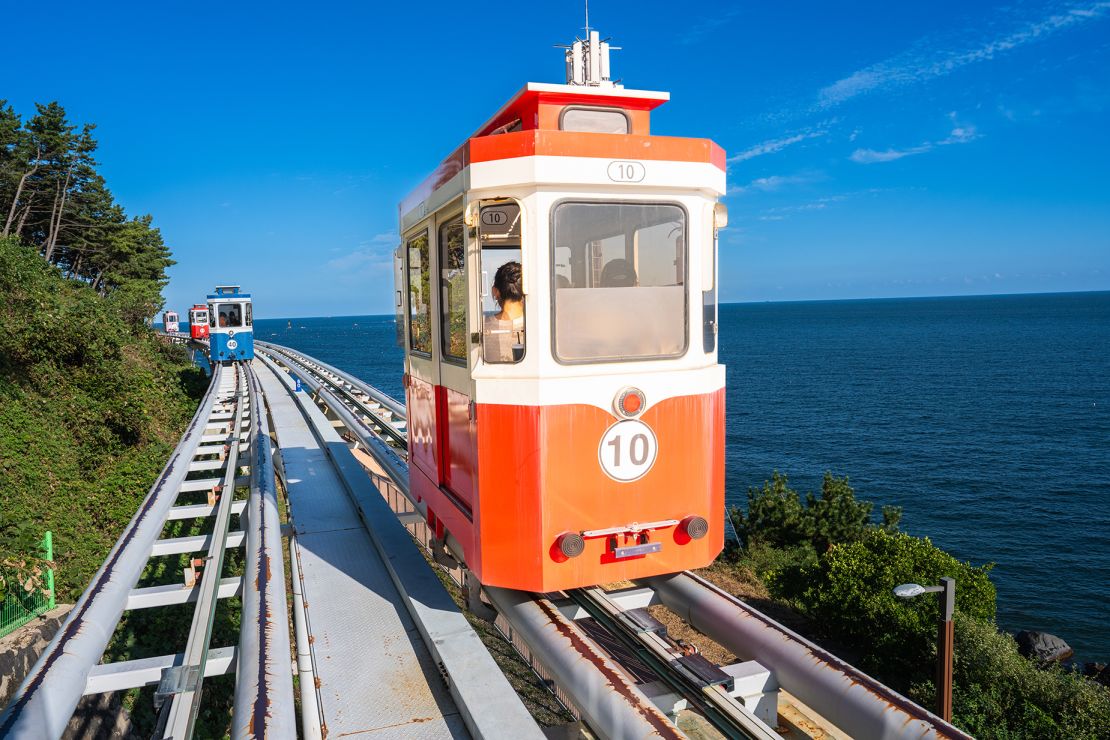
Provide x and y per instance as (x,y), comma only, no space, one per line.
(56,224)
(23,220)
(15,202)
(56,220)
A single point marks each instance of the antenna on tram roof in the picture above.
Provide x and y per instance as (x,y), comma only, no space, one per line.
(588,59)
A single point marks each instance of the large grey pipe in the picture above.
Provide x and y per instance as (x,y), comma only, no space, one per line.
(610,702)
(45,701)
(853,701)
(263,679)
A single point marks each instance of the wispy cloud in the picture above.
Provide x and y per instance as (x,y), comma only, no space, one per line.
(776,145)
(920,66)
(372,258)
(777,182)
(960,134)
(695,32)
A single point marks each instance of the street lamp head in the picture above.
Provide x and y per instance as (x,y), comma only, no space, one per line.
(909,590)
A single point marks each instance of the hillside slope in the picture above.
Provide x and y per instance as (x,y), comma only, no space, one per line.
(90,408)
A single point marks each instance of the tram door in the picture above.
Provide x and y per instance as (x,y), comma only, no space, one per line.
(458,438)
(423,367)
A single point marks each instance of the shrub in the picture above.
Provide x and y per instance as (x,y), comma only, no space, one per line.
(777,517)
(848,594)
(997,693)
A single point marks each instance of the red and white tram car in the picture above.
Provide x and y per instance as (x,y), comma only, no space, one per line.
(574,437)
(198,321)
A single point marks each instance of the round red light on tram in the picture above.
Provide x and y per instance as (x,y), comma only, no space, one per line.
(629,402)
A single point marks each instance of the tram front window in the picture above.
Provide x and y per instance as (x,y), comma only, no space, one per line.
(229,316)
(619,280)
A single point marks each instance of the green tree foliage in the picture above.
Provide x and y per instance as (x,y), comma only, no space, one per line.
(848,593)
(89,411)
(52,197)
(777,516)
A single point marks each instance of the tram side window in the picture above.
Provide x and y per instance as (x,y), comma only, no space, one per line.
(420,299)
(594,120)
(229,315)
(250,318)
(503,338)
(453,281)
(619,274)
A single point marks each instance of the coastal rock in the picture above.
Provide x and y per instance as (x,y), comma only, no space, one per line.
(1042,647)
(1097,672)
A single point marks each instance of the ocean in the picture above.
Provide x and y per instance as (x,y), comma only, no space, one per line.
(987,419)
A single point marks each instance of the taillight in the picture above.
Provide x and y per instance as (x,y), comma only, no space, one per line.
(695,527)
(571,544)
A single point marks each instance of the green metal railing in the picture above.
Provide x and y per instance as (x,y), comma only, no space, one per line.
(19,608)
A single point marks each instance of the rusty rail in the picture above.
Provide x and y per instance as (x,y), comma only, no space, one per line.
(264,683)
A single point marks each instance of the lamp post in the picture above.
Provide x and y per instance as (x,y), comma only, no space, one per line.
(946,594)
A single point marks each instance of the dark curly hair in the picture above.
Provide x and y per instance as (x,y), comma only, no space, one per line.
(507,282)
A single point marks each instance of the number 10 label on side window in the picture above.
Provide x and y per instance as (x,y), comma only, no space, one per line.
(627,450)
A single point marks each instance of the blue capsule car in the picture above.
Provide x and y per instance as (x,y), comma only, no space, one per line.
(232,333)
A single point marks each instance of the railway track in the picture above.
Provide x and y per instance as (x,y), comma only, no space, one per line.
(377,422)
(221,469)
(600,651)
(852,701)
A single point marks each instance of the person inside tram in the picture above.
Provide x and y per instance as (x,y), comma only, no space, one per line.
(503,333)
(618,273)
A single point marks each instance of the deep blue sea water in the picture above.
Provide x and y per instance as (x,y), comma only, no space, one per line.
(986,418)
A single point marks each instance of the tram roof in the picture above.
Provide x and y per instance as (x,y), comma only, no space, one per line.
(526,108)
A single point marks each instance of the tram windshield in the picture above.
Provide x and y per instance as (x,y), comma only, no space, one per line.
(619,281)
(229,315)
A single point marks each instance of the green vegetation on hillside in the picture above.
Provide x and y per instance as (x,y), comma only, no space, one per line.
(91,405)
(827,560)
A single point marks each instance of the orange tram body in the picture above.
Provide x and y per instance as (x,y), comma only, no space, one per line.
(582,443)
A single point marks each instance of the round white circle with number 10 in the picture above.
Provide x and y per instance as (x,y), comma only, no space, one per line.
(627,450)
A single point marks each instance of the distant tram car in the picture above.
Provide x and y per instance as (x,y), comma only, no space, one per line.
(198,321)
(231,334)
(170,322)
(557,302)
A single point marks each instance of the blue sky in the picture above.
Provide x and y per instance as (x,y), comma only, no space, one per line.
(876,149)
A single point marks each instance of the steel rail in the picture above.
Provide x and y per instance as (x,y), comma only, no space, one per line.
(849,698)
(44,702)
(380,396)
(482,694)
(611,702)
(722,710)
(185,681)
(263,680)
(322,370)
(386,456)
(853,701)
